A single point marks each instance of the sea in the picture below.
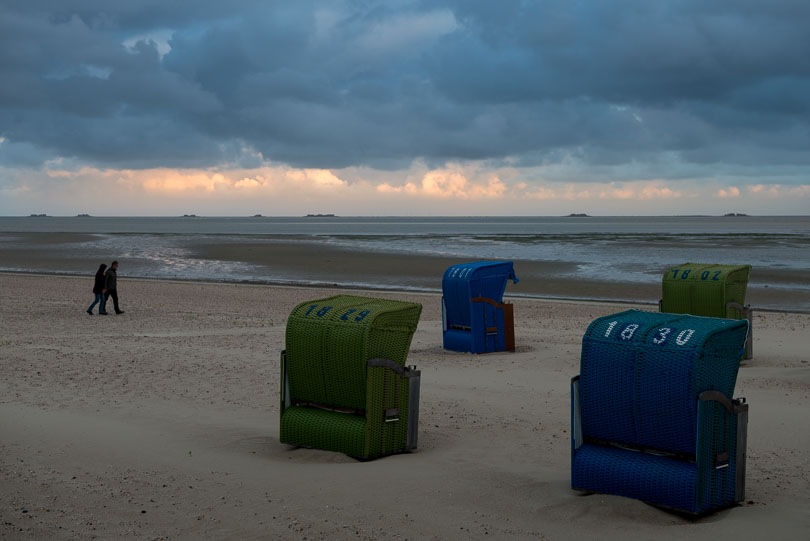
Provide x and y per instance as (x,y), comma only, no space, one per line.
(622,249)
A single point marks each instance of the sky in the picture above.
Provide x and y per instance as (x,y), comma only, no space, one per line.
(397,107)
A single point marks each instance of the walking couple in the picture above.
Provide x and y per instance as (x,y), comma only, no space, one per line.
(106,286)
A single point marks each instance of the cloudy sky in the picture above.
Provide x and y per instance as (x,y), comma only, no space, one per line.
(364,107)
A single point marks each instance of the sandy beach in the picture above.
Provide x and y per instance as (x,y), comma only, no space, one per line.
(162,423)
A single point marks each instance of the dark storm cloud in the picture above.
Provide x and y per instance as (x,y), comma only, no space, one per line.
(334,84)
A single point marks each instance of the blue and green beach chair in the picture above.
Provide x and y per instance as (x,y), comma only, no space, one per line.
(652,413)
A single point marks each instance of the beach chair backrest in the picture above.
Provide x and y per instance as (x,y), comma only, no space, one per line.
(704,289)
(329,342)
(641,374)
(466,281)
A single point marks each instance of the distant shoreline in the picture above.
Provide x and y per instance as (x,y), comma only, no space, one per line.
(404,216)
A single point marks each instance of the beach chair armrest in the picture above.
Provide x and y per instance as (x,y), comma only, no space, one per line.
(285,383)
(486,300)
(393,396)
(722,436)
(497,318)
(576,415)
(743,312)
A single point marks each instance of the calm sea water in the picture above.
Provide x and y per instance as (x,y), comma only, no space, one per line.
(628,249)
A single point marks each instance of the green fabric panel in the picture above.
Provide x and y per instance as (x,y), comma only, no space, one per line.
(704,289)
(306,378)
(329,341)
(322,429)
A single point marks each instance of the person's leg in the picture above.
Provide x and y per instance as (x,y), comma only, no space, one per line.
(114,294)
(90,310)
(102,307)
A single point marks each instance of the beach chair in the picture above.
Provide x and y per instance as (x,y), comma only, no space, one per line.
(708,290)
(652,416)
(344,383)
(474,317)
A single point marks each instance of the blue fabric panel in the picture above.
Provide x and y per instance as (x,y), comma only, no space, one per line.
(456,293)
(666,415)
(650,478)
(607,380)
(610,379)
(484,316)
(458,340)
(642,372)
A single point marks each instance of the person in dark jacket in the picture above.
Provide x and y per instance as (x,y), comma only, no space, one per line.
(99,288)
(112,286)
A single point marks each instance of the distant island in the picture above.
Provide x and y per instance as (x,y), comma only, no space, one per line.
(735,214)
(83,216)
(319,216)
(578,215)
(189,215)
(38,215)
(257,215)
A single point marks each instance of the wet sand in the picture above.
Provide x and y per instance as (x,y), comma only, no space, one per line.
(162,423)
(332,265)
(275,261)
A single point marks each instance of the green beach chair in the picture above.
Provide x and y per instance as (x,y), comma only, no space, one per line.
(344,383)
(702,289)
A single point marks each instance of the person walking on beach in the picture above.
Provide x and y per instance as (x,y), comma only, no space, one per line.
(99,288)
(112,286)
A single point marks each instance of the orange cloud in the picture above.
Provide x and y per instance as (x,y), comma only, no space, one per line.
(186,181)
(640,190)
(181,181)
(448,184)
(731,191)
(248,183)
(318,177)
(778,190)
(456,186)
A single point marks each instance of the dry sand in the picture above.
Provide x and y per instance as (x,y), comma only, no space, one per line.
(162,423)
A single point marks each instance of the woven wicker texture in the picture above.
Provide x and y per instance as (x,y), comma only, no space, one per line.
(704,289)
(321,429)
(641,375)
(387,391)
(466,322)
(329,342)
(655,479)
(465,281)
(716,434)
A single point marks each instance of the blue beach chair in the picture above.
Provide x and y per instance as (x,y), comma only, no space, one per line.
(474,317)
(652,413)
